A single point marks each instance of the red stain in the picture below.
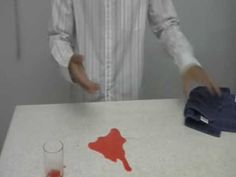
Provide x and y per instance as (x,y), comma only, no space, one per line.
(111,146)
(54,173)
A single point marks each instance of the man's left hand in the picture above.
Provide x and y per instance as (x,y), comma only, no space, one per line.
(198,75)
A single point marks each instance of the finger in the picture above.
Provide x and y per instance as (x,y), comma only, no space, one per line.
(82,79)
(93,87)
(86,84)
(212,89)
(205,80)
(186,85)
(215,88)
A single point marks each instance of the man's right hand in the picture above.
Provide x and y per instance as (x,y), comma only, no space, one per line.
(79,76)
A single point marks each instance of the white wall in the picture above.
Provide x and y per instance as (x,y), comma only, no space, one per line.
(210,26)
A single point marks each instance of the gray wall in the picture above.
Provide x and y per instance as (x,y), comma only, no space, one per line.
(34,79)
(210,25)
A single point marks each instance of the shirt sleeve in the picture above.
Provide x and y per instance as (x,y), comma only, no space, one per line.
(61,30)
(164,22)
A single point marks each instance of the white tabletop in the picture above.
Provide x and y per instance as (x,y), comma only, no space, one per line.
(158,144)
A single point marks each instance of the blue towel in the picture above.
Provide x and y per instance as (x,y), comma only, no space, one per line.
(211,114)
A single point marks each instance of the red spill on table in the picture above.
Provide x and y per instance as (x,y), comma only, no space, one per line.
(111,146)
(54,173)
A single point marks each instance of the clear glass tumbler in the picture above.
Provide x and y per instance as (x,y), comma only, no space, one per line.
(53,158)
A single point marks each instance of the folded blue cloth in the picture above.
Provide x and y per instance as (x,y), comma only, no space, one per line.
(211,114)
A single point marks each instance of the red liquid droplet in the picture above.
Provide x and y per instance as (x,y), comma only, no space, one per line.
(54,173)
(111,146)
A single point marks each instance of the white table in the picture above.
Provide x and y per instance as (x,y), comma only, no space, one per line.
(158,144)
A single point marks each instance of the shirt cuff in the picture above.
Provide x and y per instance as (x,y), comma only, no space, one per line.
(67,53)
(186,62)
(63,58)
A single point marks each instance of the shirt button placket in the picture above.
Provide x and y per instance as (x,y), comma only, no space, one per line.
(108,51)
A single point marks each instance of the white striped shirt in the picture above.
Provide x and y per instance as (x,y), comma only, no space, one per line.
(110,34)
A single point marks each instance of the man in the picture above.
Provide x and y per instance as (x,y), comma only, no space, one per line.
(99,43)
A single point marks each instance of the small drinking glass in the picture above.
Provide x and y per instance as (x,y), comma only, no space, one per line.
(53,158)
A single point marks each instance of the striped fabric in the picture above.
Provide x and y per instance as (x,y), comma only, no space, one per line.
(110,34)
